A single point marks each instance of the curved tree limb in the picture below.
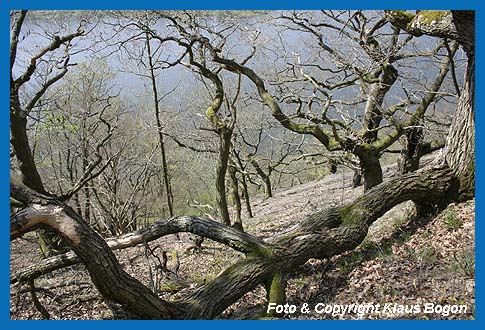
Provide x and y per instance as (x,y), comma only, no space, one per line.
(459,150)
(321,235)
(110,279)
(215,231)
(437,23)
(384,142)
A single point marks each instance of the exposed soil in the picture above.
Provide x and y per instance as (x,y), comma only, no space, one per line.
(404,260)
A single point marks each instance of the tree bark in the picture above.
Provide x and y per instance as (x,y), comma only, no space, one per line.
(276,291)
(460,144)
(268,191)
(49,243)
(236,199)
(110,279)
(357,178)
(215,231)
(322,234)
(247,201)
(244,182)
(411,151)
(20,142)
(225,135)
(459,150)
(375,99)
(371,170)
(370,165)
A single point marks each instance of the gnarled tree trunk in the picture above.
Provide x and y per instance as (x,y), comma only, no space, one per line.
(371,170)
(322,234)
(460,143)
(221,168)
(411,151)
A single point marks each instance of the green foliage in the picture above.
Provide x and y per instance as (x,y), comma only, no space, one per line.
(348,263)
(58,122)
(451,221)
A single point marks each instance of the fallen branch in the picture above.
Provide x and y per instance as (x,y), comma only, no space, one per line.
(320,235)
(229,236)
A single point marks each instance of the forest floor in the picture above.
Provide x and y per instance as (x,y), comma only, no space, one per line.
(403,261)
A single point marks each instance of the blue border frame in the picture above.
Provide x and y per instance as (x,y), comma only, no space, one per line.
(225,4)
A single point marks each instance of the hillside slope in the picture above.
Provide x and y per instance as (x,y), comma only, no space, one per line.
(403,260)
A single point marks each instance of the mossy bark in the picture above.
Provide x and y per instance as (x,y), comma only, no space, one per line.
(275,292)
(221,169)
(236,199)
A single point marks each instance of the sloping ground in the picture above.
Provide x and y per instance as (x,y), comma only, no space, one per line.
(436,266)
(403,261)
(288,207)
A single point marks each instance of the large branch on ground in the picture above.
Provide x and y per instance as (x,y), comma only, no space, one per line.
(45,266)
(215,231)
(110,279)
(231,237)
(321,235)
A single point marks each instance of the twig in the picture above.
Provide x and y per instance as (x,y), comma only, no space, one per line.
(37,304)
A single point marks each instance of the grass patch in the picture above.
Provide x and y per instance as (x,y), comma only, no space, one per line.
(463,263)
(451,221)
(428,255)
